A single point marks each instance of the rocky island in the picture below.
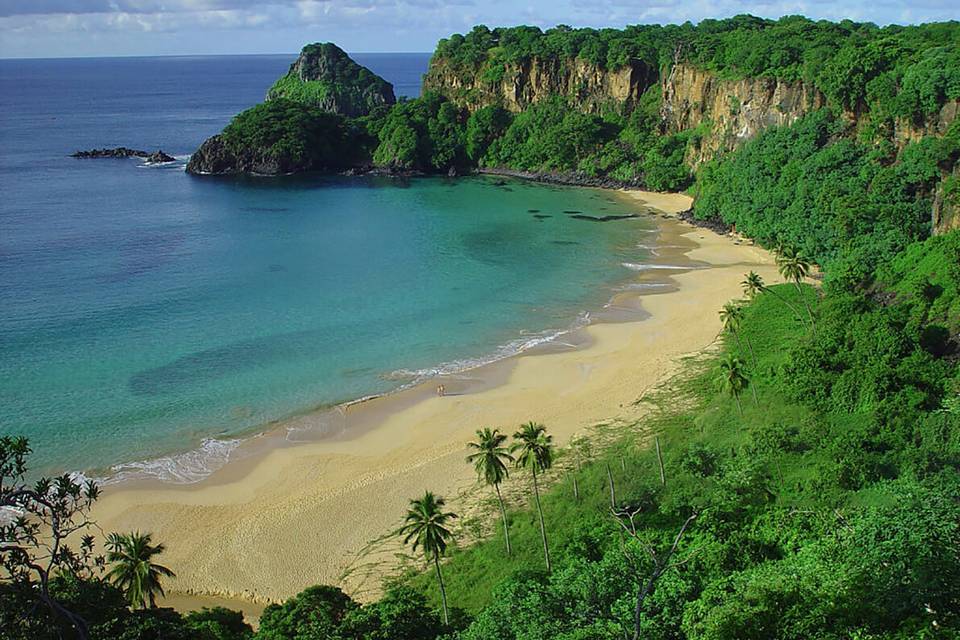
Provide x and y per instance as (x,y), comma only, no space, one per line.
(157,157)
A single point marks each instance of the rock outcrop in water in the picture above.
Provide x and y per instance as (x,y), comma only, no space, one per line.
(157,157)
(324,76)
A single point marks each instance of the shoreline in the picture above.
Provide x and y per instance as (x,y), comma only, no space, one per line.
(281,516)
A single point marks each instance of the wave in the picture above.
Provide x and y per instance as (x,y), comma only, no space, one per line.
(649,267)
(642,286)
(510,349)
(182,468)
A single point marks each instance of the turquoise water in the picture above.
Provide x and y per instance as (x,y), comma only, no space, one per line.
(145,311)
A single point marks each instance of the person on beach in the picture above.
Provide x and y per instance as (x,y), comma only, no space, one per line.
(440,390)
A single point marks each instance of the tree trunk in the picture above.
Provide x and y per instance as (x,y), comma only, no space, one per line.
(736,334)
(753,356)
(803,299)
(736,397)
(789,306)
(613,493)
(663,477)
(443,590)
(576,488)
(503,514)
(543,528)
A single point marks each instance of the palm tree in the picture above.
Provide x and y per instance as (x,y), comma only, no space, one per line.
(753,285)
(134,571)
(732,317)
(489,461)
(732,378)
(426,526)
(794,268)
(536,454)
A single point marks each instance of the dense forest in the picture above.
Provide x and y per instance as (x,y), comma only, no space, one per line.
(802,482)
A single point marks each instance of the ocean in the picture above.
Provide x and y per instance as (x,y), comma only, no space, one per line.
(148,314)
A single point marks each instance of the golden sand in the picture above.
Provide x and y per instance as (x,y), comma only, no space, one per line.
(286,517)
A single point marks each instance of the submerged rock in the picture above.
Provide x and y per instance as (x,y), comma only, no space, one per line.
(607,218)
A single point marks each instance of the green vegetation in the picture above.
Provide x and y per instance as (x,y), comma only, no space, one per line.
(296,135)
(832,197)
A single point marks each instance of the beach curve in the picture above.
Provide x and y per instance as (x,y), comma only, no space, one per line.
(283,517)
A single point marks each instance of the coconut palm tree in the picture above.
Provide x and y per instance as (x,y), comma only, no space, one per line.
(794,268)
(134,572)
(426,525)
(490,460)
(535,449)
(732,378)
(753,285)
(732,317)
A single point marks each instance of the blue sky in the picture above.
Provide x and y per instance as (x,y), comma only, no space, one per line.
(55,28)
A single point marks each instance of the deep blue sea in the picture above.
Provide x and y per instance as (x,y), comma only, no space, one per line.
(145,312)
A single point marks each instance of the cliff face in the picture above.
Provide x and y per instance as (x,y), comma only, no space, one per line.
(732,111)
(325,76)
(515,87)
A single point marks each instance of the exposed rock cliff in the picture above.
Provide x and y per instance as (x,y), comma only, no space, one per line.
(730,112)
(325,76)
(946,203)
(517,86)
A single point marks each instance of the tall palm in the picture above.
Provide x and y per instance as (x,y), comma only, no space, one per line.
(426,525)
(732,378)
(753,285)
(134,571)
(489,459)
(732,316)
(535,452)
(794,268)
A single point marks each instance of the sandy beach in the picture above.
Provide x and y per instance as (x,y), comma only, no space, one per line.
(281,516)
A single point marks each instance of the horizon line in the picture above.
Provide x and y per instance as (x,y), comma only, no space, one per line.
(203,55)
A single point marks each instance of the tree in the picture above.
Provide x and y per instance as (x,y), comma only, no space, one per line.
(426,526)
(794,268)
(732,378)
(661,560)
(33,547)
(535,449)
(732,316)
(315,612)
(134,570)
(489,461)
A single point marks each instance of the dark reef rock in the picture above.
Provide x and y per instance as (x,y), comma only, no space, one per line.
(157,157)
(609,218)
(324,76)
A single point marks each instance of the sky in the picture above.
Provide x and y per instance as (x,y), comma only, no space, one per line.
(68,28)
